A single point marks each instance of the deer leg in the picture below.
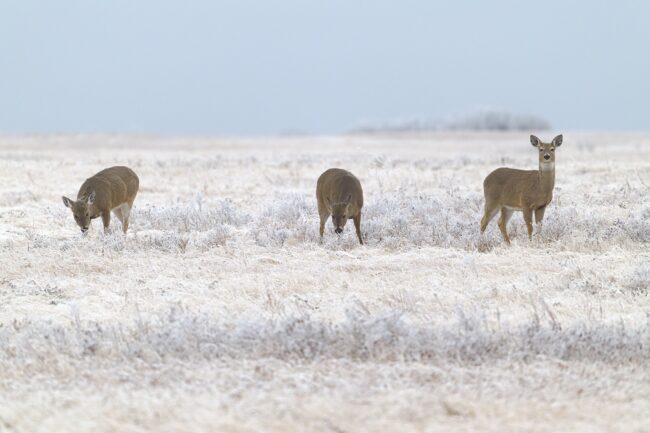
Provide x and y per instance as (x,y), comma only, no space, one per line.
(122,213)
(528,217)
(539,216)
(106,219)
(503,223)
(357,226)
(118,214)
(126,212)
(324,214)
(490,211)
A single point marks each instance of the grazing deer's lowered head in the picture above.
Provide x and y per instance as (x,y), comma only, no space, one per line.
(340,212)
(339,194)
(82,209)
(529,191)
(111,190)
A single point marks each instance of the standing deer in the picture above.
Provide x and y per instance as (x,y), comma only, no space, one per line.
(339,194)
(529,191)
(112,189)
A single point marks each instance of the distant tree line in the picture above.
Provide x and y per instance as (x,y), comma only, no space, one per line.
(484,120)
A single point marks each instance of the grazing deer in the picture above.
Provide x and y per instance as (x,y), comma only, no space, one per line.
(112,189)
(339,194)
(529,191)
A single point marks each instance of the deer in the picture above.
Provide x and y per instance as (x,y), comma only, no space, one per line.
(339,194)
(529,191)
(111,190)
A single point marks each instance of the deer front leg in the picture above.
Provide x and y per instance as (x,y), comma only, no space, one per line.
(357,226)
(323,214)
(106,219)
(539,216)
(528,217)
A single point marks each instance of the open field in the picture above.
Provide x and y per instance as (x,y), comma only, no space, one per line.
(222,311)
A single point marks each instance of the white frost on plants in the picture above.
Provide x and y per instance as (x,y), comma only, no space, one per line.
(222,310)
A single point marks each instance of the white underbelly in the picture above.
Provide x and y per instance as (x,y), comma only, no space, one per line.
(122,212)
(513,208)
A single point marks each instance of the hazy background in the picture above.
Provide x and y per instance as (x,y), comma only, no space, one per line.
(258,67)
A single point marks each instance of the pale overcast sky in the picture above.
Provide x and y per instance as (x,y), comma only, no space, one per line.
(262,67)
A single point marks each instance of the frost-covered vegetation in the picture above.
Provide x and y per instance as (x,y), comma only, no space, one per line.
(222,310)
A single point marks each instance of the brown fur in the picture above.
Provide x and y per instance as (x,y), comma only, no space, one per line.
(339,194)
(113,189)
(530,191)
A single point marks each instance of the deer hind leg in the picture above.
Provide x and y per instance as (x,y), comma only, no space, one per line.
(357,226)
(489,213)
(528,217)
(125,210)
(118,214)
(539,216)
(122,213)
(503,223)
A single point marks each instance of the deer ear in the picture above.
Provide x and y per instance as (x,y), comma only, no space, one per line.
(91,198)
(67,202)
(557,141)
(534,141)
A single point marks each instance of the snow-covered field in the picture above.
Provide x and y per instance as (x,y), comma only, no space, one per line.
(222,311)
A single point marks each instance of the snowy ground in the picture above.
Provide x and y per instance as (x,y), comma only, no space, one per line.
(221,311)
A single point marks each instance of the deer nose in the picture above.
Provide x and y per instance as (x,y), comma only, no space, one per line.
(338,230)
(84,229)
(547,157)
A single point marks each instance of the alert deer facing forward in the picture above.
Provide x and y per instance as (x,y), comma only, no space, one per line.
(110,190)
(339,194)
(529,191)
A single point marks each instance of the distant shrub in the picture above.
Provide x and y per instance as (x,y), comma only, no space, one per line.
(497,121)
(482,120)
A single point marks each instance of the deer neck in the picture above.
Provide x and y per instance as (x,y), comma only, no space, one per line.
(547,177)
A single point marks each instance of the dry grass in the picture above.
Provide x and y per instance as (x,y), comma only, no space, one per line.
(222,311)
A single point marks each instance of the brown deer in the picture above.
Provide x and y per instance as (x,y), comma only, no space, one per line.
(112,189)
(530,191)
(339,194)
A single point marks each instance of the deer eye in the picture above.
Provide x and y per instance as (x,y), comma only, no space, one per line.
(86,213)
(552,149)
(541,149)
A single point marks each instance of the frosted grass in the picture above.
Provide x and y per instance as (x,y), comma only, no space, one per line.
(222,310)
(360,336)
(396,221)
